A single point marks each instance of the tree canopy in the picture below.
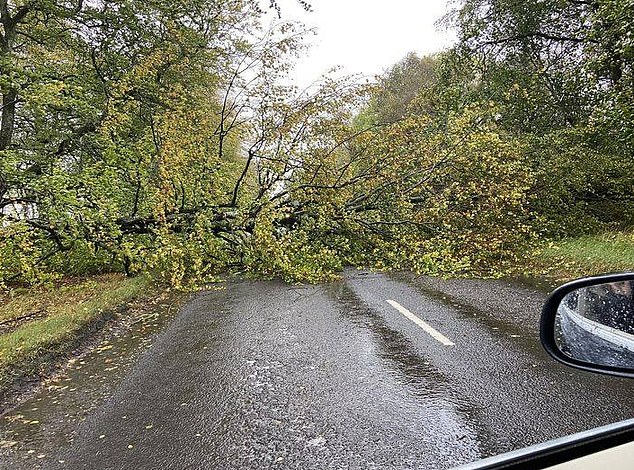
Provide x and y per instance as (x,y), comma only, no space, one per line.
(161,137)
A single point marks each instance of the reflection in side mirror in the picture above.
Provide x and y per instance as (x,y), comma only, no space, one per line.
(596,324)
(590,324)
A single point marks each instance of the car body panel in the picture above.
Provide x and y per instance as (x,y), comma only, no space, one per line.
(592,448)
(616,458)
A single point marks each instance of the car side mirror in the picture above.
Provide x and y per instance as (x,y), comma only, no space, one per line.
(589,324)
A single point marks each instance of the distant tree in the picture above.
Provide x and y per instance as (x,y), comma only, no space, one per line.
(554,61)
(560,73)
(399,85)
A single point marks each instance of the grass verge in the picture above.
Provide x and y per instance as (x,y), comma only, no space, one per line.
(585,256)
(41,325)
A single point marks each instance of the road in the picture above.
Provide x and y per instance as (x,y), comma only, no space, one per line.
(372,371)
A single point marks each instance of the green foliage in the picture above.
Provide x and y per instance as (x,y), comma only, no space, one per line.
(399,86)
(467,207)
(612,63)
(159,137)
(294,256)
(585,255)
(560,73)
(536,100)
(122,153)
(583,183)
(532,48)
(20,255)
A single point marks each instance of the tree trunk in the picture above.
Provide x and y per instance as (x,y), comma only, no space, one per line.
(8,118)
(9,96)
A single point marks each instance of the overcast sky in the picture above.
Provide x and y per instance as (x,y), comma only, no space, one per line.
(367,36)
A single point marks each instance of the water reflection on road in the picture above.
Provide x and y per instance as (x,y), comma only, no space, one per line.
(425,390)
(263,374)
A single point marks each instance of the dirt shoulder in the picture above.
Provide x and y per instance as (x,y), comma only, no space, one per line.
(42,329)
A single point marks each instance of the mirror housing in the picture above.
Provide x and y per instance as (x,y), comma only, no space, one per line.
(574,334)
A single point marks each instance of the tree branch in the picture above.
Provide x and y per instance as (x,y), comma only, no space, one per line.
(541,35)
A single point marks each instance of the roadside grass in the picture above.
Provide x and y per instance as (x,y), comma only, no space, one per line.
(62,317)
(585,256)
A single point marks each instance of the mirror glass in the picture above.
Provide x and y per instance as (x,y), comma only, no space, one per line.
(595,324)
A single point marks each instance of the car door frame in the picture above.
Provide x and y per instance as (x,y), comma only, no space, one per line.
(562,450)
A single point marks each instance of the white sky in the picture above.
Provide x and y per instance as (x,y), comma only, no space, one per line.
(367,36)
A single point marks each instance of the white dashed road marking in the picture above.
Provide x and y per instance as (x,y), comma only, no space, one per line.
(437,335)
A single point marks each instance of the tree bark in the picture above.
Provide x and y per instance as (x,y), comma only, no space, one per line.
(10,94)
(7,122)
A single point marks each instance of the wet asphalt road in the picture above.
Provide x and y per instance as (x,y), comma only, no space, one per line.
(263,375)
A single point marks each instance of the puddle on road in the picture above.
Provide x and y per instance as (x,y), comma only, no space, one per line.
(37,430)
(425,383)
(35,433)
